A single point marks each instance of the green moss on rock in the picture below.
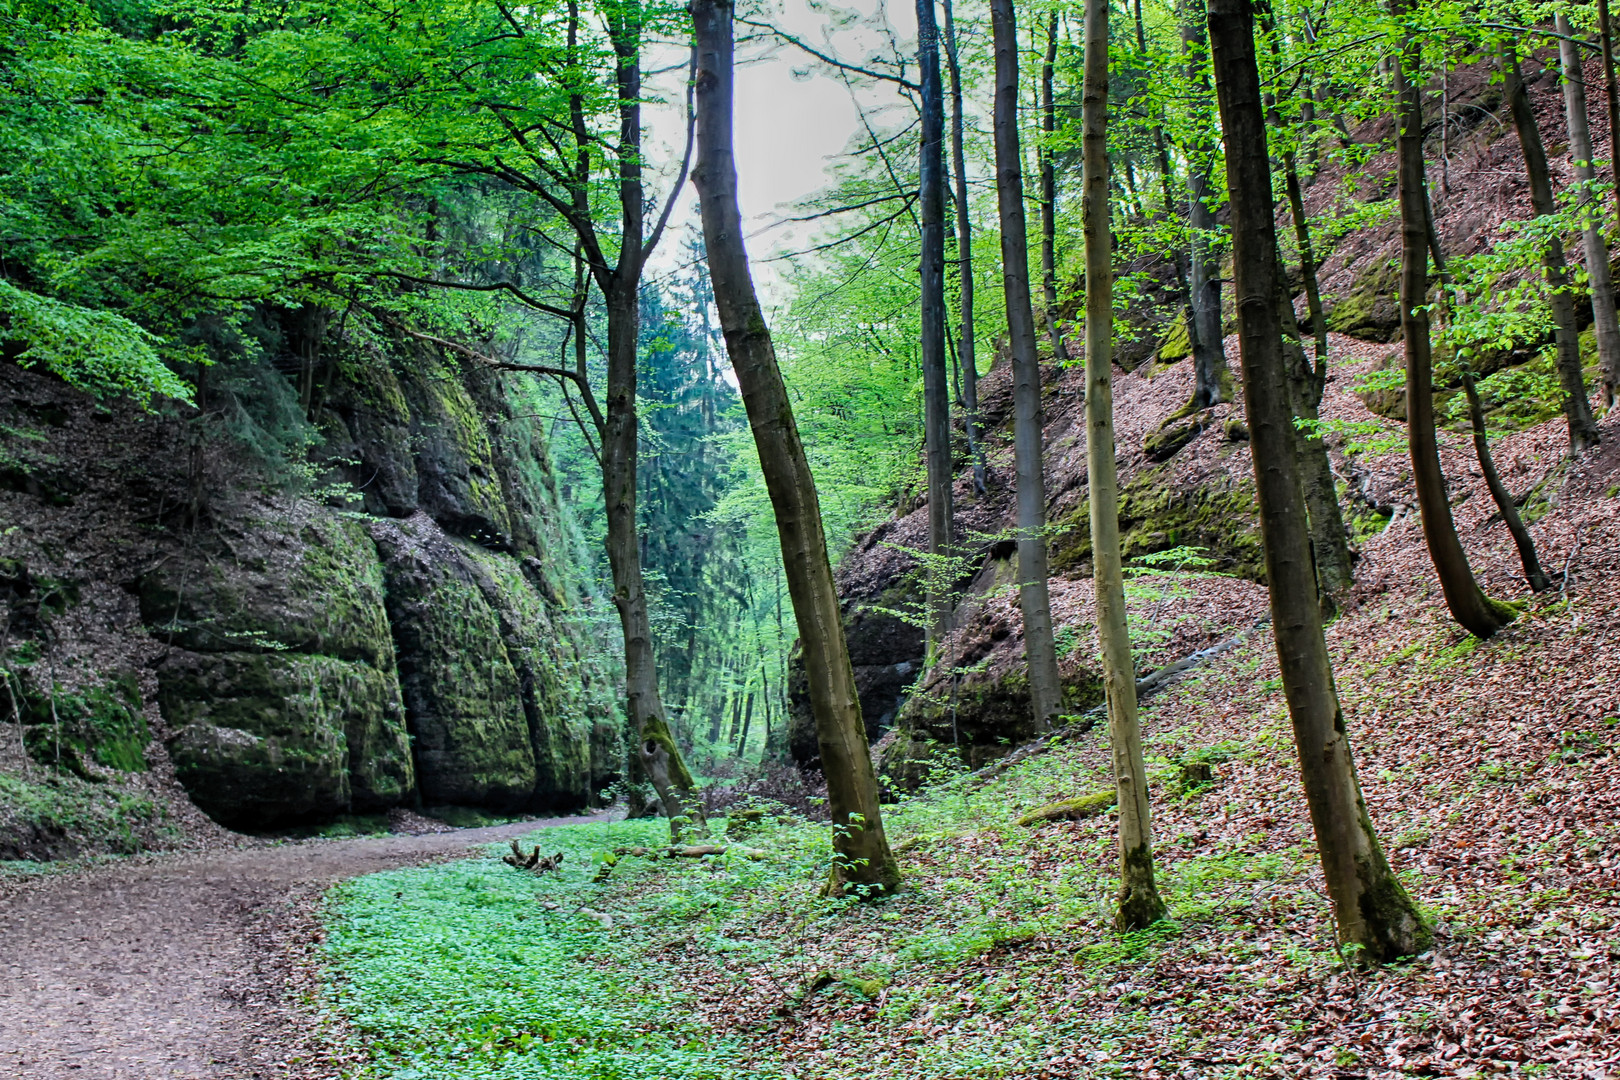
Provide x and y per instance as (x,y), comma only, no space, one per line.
(262,739)
(464,699)
(101,725)
(1371,309)
(292,578)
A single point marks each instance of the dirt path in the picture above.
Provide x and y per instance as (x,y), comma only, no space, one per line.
(174,969)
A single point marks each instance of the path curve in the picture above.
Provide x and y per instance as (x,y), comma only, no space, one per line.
(164,969)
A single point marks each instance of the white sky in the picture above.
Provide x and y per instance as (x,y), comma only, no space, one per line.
(793,117)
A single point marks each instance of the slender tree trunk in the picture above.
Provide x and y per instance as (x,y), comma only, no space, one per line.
(1478,614)
(1370,906)
(656,752)
(1605,326)
(936,385)
(863,862)
(1161,151)
(1045,689)
(965,345)
(1330,545)
(1044,155)
(1533,574)
(1583,432)
(1204,331)
(1611,93)
(747,722)
(1139,903)
(660,757)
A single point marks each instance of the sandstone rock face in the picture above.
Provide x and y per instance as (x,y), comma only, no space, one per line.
(267,739)
(411,630)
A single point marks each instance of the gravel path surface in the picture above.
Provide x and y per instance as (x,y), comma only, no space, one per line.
(178,967)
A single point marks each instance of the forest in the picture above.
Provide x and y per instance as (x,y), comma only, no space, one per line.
(636,539)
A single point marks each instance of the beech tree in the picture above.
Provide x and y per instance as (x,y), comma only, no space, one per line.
(1139,903)
(1583,432)
(1204,331)
(966,349)
(1600,284)
(1478,613)
(936,386)
(1045,689)
(863,862)
(1046,156)
(1370,906)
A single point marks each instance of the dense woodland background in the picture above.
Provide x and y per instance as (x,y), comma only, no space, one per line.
(371,453)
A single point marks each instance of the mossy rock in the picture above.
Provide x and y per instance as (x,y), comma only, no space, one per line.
(261,740)
(294,577)
(1371,310)
(1086,806)
(98,726)
(1157,514)
(547,664)
(1170,438)
(463,697)
(458,479)
(1175,345)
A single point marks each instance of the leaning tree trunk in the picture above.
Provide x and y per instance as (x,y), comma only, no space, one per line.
(1534,576)
(1204,330)
(1369,904)
(1045,689)
(1139,903)
(965,344)
(863,863)
(936,386)
(1605,326)
(1583,432)
(1478,613)
(1049,193)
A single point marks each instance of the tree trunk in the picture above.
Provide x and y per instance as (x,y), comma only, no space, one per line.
(965,345)
(1533,574)
(1045,689)
(1330,546)
(1370,906)
(1478,614)
(862,863)
(1161,152)
(1583,432)
(660,757)
(1139,903)
(1204,331)
(1060,351)
(747,722)
(1605,326)
(1611,93)
(936,384)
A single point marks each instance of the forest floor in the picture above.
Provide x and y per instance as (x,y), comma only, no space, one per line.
(1490,770)
(182,966)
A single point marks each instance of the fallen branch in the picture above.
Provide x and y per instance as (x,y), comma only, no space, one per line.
(532,861)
